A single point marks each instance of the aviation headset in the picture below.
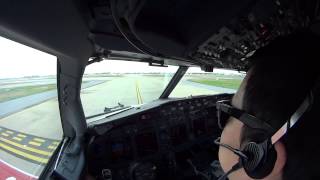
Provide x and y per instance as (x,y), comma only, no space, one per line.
(257,158)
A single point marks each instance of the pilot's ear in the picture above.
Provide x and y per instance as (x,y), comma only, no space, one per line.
(280,162)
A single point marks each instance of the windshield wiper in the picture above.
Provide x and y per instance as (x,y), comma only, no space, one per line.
(108,110)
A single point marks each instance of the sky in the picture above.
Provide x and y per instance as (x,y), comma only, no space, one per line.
(18,60)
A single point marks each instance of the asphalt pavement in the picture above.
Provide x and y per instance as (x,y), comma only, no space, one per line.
(15,105)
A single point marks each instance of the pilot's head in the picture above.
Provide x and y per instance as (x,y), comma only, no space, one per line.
(282,75)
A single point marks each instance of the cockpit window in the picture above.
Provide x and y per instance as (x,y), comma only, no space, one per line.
(113,84)
(30,125)
(196,82)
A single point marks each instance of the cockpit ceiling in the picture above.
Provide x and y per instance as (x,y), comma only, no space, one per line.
(206,33)
(219,34)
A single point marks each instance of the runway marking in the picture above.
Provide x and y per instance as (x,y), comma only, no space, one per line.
(16,138)
(9,132)
(21,153)
(26,147)
(138,93)
(52,147)
(39,140)
(19,170)
(34,143)
(56,142)
(21,135)
(5,134)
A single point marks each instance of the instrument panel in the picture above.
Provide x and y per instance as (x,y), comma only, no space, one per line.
(158,134)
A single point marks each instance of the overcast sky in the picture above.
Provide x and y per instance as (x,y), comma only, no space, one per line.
(18,60)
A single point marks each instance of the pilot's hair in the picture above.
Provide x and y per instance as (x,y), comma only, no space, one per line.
(280,78)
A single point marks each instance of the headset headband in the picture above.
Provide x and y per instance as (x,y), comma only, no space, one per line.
(306,104)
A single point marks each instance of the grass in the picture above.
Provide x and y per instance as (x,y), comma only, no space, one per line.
(225,83)
(7,94)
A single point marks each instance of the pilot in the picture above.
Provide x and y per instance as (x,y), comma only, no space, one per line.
(281,75)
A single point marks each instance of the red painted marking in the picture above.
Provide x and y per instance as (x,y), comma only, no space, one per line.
(7,171)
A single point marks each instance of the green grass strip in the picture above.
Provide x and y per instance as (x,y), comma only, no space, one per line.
(7,94)
(225,83)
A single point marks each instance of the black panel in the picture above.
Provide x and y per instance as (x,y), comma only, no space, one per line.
(164,136)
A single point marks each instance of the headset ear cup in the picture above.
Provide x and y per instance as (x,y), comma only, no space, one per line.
(261,160)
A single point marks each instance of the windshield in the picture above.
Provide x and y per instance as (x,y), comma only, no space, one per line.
(115,84)
(30,125)
(196,82)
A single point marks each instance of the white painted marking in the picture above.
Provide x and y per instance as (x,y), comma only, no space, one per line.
(26,173)
(11,178)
